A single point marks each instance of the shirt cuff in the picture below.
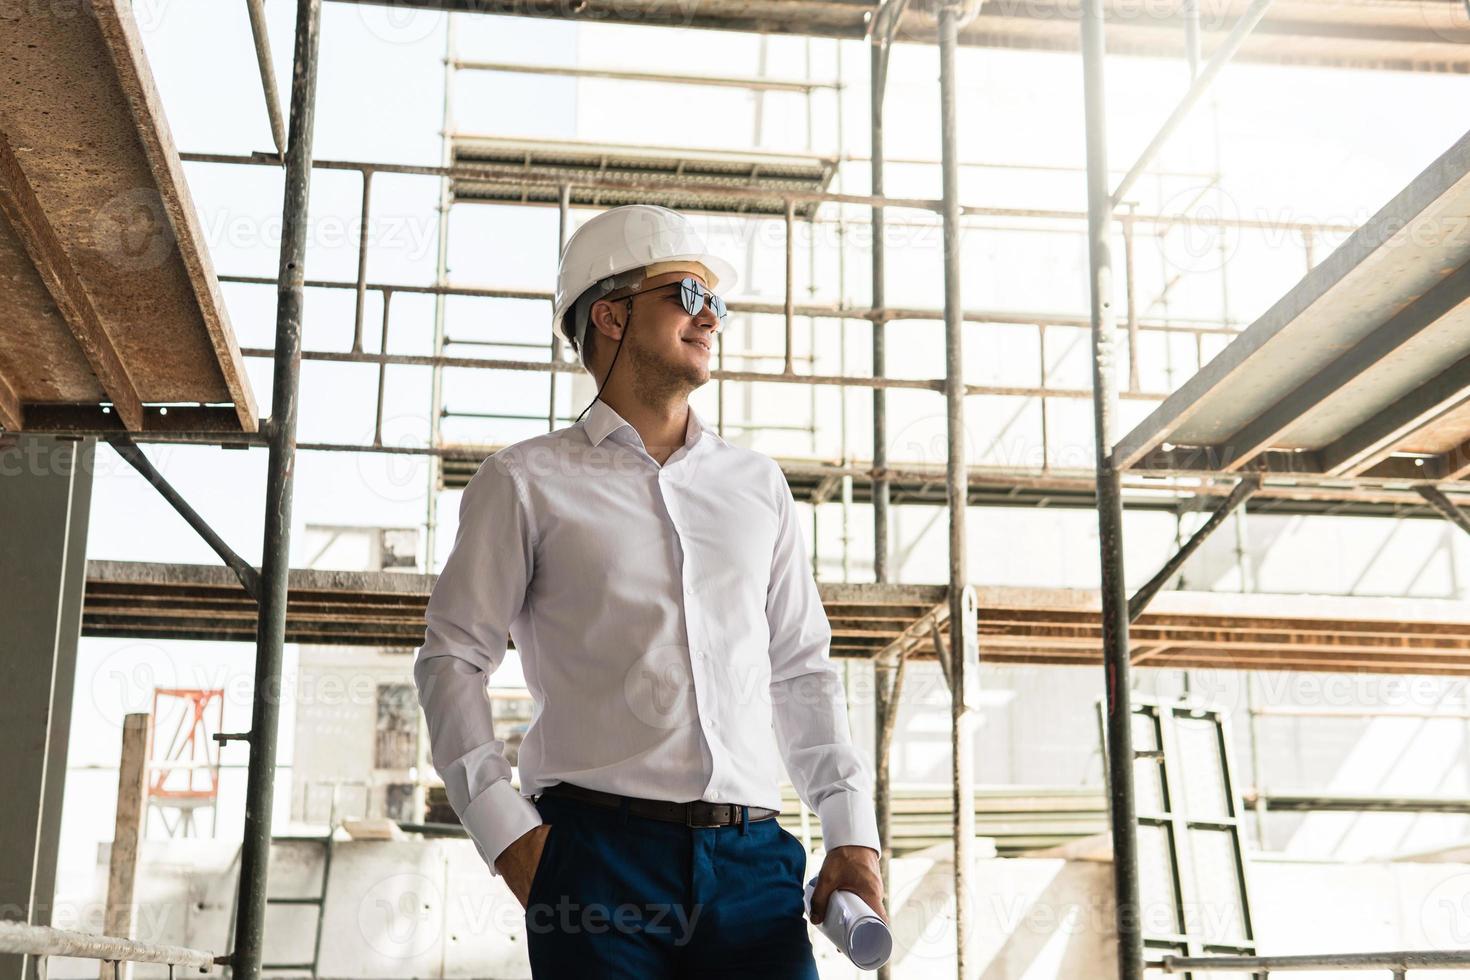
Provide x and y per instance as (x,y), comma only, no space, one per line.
(849,818)
(497,818)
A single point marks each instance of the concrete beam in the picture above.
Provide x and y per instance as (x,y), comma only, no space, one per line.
(27,218)
(45,499)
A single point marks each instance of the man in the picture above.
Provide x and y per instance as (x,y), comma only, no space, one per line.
(654,580)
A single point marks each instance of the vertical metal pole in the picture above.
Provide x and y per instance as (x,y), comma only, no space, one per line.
(441,279)
(1258,774)
(1044,375)
(1191,37)
(790,310)
(564,218)
(362,251)
(883,675)
(1132,293)
(275,552)
(436,376)
(956,474)
(1109,504)
(878,79)
(382,368)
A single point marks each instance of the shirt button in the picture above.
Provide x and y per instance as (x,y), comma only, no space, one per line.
(688,590)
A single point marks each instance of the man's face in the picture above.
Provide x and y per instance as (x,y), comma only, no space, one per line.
(664,344)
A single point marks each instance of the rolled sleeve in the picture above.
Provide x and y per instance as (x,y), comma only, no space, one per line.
(480,592)
(809,705)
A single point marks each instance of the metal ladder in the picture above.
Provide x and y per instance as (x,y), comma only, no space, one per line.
(319,900)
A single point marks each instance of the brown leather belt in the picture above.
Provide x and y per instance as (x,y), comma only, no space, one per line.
(697,813)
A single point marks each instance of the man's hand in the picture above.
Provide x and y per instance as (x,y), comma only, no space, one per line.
(853,868)
(518,862)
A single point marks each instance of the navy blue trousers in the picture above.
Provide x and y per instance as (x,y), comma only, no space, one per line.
(617,895)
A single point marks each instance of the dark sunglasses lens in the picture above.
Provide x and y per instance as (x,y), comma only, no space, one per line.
(718,305)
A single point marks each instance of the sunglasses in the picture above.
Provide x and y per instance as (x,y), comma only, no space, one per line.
(692,296)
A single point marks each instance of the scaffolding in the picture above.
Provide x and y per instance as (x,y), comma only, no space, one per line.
(484,169)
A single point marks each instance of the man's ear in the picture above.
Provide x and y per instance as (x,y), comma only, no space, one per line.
(606,317)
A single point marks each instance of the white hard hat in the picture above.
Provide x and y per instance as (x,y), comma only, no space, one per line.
(625,238)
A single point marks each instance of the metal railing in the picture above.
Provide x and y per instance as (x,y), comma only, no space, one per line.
(1262,966)
(29,940)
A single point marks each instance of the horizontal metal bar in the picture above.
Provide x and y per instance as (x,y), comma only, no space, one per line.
(1284,801)
(21,937)
(1001,486)
(1286,711)
(450,413)
(1060,168)
(519,344)
(885,314)
(826,380)
(931,205)
(1456,959)
(750,82)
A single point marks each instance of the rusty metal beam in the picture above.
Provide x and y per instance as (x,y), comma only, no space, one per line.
(244,571)
(1242,492)
(1445,506)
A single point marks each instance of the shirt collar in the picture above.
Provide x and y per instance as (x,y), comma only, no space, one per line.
(603,420)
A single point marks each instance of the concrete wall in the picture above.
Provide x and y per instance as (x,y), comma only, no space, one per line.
(430,909)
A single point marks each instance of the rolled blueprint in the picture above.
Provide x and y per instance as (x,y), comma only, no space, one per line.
(854,928)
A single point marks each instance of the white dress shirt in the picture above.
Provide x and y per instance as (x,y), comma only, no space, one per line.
(669,629)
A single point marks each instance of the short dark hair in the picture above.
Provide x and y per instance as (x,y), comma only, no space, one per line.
(589,342)
(582,310)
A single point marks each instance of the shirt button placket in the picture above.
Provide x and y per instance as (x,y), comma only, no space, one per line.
(698,655)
